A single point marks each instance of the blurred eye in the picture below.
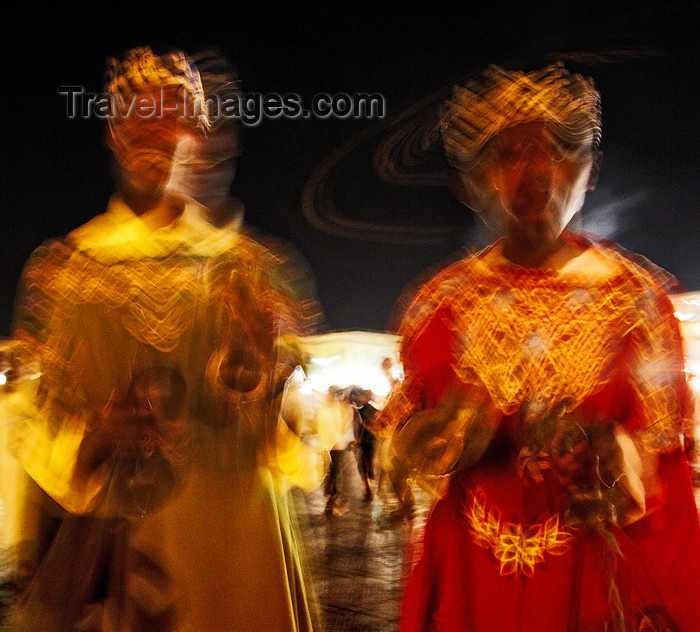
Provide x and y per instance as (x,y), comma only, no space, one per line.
(577,153)
(559,151)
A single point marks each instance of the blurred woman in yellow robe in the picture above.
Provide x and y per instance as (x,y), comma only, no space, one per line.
(160,432)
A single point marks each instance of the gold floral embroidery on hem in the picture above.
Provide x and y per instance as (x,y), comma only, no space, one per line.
(517,547)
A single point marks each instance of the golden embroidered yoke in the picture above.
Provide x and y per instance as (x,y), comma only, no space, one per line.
(545,341)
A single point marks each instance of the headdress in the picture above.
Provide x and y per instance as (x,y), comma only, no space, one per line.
(500,98)
(142,72)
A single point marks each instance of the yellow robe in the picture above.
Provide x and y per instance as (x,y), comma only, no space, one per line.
(195,532)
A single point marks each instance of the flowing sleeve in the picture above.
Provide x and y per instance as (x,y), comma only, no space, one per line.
(668,534)
(50,416)
(661,412)
(437,419)
(261,324)
(430,339)
(646,396)
(428,359)
(423,341)
(300,457)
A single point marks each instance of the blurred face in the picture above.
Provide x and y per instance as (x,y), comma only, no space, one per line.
(528,183)
(206,168)
(145,148)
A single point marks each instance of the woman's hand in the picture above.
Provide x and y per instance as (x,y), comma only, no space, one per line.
(116,427)
(148,418)
(453,434)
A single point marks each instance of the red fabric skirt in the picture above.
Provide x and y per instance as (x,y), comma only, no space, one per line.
(462,584)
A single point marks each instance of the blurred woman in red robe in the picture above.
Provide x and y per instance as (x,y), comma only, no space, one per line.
(544,393)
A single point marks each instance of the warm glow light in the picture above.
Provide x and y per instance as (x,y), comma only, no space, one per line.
(691,331)
(351,358)
(693,368)
(306,388)
(297,378)
(325,361)
(369,378)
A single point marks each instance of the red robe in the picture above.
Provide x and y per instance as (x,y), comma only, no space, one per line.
(528,537)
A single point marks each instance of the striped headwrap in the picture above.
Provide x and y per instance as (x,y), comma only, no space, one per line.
(143,72)
(500,98)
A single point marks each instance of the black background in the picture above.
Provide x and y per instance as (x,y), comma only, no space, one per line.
(55,171)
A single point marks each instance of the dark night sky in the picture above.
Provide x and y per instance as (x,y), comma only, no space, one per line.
(55,171)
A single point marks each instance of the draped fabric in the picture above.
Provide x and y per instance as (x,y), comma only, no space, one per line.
(578,514)
(185,526)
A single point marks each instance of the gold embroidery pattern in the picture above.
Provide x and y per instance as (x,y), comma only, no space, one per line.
(540,338)
(517,547)
(155,299)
